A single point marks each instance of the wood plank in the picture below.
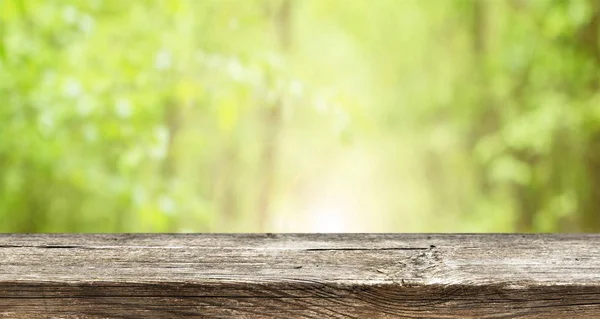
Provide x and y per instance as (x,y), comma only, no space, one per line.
(299,276)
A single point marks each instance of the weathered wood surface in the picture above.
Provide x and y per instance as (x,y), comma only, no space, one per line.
(299,276)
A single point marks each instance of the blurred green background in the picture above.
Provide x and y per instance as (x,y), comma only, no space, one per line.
(299,116)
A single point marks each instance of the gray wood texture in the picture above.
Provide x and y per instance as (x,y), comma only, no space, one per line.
(299,276)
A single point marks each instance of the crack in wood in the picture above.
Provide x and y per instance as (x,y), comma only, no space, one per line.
(366,249)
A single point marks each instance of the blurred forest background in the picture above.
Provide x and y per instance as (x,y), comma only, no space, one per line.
(299,115)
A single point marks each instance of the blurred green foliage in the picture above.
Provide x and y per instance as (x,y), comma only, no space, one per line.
(299,115)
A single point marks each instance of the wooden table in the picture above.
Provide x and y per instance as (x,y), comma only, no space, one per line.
(299,276)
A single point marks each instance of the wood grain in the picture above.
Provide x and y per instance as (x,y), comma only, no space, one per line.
(299,276)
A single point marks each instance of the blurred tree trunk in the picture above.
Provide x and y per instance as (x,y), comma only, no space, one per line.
(528,195)
(485,120)
(488,122)
(173,122)
(272,121)
(589,43)
(228,200)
